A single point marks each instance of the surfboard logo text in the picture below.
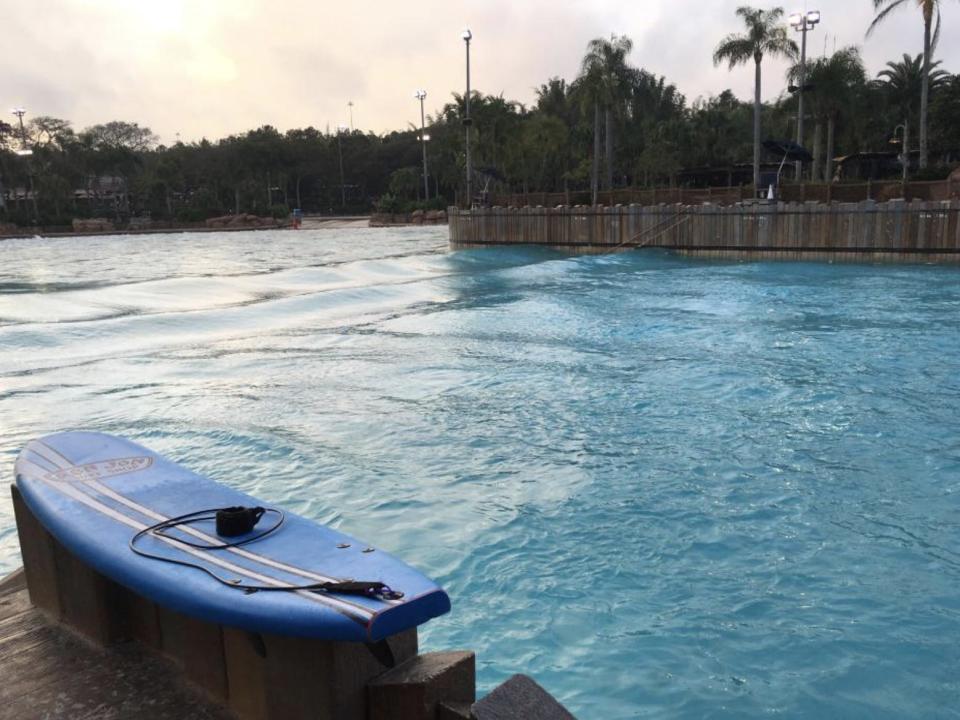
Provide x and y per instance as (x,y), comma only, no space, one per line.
(100,470)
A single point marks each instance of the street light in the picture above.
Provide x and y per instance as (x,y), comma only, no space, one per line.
(421,95)
(904,148)
(802,23)
(467,37)
(343,188)
(23,151)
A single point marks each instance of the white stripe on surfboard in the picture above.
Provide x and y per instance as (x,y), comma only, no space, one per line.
(199,534)
(324,599)
(35,451)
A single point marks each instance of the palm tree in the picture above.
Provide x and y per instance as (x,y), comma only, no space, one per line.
(902,82)
(931,34)
(834,80)
(765,36)
(605,72)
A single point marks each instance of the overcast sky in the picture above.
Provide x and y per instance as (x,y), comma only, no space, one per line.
(208,68)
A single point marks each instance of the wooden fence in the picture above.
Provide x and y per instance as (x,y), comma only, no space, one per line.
(801,192)
(924,231)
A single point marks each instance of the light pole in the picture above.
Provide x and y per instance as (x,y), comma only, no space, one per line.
(24,150)
(802,23)
(467,37)
(421,95)
(904,149)
(350,105)
(343,187)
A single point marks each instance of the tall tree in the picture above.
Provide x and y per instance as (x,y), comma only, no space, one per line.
(766,36)
(604,69)
(835,79)
(931,34)
(902,82)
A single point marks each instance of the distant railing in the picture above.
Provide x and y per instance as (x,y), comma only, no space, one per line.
(912,231)
(880,191)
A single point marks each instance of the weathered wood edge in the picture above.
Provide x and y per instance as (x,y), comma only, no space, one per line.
(14,582)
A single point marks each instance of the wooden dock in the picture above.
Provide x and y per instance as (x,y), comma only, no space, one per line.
(50,672)
(76,645)
(895,231)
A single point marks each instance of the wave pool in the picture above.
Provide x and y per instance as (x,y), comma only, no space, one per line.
(665,488)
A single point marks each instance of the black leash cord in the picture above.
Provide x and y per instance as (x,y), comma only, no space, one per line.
(201,515)
(372,589)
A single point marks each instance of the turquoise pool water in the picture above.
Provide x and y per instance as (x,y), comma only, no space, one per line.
(665,488)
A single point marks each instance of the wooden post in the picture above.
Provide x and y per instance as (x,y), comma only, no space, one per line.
(37,551)
(414,690)
(69,590)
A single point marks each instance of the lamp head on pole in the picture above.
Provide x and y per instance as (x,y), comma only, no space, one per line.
(420,94)
(805,21)
(23,151)
(467,35)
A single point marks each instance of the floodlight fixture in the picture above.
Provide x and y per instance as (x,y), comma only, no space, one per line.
(803,23)
(467,35)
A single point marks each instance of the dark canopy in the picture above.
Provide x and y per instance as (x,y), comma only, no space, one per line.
(788,150)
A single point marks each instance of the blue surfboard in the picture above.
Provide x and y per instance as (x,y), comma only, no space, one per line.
(95,492)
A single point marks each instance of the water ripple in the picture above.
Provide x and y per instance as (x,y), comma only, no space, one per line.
(664,487)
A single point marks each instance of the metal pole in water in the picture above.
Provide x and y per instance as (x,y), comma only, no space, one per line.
(467,36)
(422,95)
(343,187)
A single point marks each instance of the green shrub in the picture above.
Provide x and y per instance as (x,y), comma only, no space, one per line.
(191,215)
(388,204)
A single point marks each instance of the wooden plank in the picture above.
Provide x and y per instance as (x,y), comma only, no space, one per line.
(246,682)
(14,582)
(318,680)
(414,689)
(141,619)
(197,648)
(89,602)
(37,551)
(14,602)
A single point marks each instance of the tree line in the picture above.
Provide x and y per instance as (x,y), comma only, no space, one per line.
(614,125)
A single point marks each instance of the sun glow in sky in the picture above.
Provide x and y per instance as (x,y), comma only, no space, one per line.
(208,68)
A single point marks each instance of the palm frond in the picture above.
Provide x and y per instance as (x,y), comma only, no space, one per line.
(877,4)
(735,50)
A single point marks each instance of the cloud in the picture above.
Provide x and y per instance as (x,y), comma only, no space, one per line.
(211,68)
